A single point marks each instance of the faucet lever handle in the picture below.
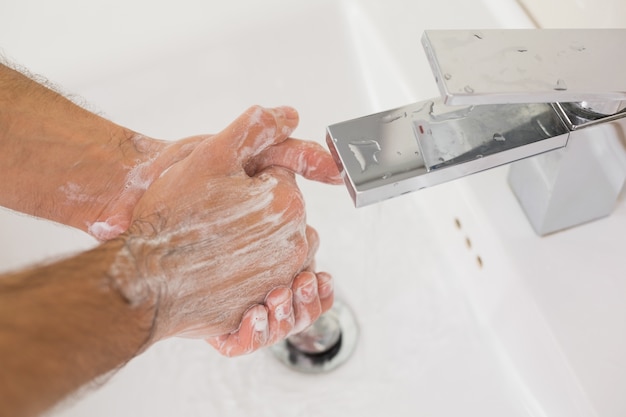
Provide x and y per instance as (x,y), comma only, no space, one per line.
(528,65)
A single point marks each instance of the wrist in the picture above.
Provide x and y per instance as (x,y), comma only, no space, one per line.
(87,170)
(64,324)
(131,278)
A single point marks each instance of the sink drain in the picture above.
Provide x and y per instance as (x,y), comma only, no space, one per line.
(324,346)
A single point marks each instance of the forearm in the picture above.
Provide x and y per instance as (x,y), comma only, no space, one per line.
(63,325)
(57,160)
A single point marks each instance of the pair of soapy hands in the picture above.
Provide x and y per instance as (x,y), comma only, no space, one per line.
(219,233)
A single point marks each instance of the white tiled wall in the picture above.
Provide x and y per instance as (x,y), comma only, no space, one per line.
(577,13)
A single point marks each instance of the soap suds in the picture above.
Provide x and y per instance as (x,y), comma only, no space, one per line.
(104,230)
(283,311)
(260,322)
(137,177)
(74,194)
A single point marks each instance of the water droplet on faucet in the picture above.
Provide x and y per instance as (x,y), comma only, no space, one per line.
(447,76)
(498,137)
(456,114)
(427,105)
(560,85)
(392,117)
(365,152)
(468,89)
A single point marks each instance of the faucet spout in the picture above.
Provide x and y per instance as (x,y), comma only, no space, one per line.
(388,154)
(506,95)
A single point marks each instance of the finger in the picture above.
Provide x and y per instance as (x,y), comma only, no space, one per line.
(255,130)
(325,289)
(305,158)
(306,302)
(253,333)
(281,316)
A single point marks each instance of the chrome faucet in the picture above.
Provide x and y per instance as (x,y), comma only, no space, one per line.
(506,95)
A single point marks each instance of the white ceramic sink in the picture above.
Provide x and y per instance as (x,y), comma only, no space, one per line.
(463,311)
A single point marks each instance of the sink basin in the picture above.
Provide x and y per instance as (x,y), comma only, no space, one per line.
(462,309)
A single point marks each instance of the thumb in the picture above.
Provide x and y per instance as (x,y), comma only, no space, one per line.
(304,158)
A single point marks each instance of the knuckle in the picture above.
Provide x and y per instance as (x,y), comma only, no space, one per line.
(312,234)
(303,249)
(313,241)
(261,115)
(289,200)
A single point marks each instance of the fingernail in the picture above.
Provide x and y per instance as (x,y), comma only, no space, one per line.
(281,301)
(335,179)
(325,284)
(260,321)
(261,327)
(289,112)
(283,310)
(308,290)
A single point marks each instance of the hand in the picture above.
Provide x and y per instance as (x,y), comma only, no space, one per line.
(224,227)
(149,159)
(153,157)
(286,311)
